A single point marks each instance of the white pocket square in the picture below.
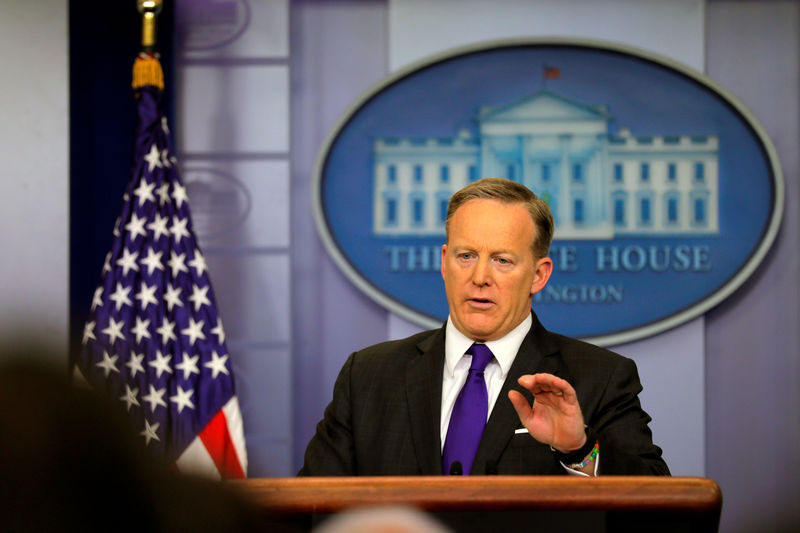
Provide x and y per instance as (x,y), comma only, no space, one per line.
(521,430)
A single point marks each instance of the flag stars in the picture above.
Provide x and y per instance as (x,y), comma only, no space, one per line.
(163,193)
(146,295)
(194,331)
(159,226)
(153,158)
(135,364)
(172,297)
(141,329)
(153,261)
(182,398)
(108,364)
(145,192)
(136,227)
(88,332)
(155,398)
(130,397)
(178,228)
(217,365)
(149,432)
(219,332)
(198,263)
(179,194)
(199,296)
(165,158)
(107,263)
(188,365)
(114,330)
(177,263)
(161,364)
(120,296)
(167,331)
(128,261)
(97,300)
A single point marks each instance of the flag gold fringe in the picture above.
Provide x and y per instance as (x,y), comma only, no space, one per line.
(147,71)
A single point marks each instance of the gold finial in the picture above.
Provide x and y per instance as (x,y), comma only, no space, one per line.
(149,9)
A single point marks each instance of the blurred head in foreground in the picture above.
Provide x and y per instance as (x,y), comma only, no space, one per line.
(382,520)
(70,462)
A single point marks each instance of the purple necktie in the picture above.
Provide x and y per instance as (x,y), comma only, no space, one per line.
(469,415)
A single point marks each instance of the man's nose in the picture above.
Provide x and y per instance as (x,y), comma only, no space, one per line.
(482,275)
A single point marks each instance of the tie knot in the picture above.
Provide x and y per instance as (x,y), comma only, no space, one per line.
(481,355)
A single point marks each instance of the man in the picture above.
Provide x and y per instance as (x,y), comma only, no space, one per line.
(492,391)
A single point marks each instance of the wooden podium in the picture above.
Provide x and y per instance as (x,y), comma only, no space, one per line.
(501,503)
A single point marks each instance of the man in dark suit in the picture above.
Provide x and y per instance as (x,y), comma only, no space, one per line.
(492,391)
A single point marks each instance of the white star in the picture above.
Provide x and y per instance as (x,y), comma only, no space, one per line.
(115,231)
(163,193)
(108,364)
(194,331)
(176,263)
(164,126)
(97,301)
(120,296)
(165,158)
(153,261)
(161,364)
(183,399)
(188,365)
(136,226)
(140,329)
(217,364)
(149,432)
(145,191)
(155,398)
(199,296)
(199,263)
(167,331)
(88,332)
(153,158)
(128,261)
(219,332)
(172,297)
(146,295)
(107,263)
(114,330)
(130,396)
(178,228)
(135,364)
(159,226)
(179,194)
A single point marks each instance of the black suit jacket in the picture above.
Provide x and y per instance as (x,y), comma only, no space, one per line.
(385,415)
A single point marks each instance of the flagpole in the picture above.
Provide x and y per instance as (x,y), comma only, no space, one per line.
(149,10)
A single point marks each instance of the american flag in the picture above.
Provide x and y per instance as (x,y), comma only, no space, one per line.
(154,338)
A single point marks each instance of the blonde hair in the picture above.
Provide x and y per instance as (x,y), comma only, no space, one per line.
(508,192)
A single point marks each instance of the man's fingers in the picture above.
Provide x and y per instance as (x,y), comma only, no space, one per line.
(521,405)
(548,383)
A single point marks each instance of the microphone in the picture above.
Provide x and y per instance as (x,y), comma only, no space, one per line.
(456,469)
(491,468)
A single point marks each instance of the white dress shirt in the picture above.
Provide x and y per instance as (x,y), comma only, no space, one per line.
(456,368)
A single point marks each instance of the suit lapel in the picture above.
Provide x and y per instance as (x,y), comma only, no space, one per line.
(531,358)
(424,395)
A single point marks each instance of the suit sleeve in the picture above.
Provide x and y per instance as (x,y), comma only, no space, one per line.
(331,450)
(626,442)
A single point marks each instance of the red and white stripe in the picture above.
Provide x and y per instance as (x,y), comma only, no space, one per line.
(218,452)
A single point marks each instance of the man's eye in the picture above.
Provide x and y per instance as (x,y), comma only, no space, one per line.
(503,261)
(465,256)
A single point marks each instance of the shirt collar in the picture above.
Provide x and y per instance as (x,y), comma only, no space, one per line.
(504,349)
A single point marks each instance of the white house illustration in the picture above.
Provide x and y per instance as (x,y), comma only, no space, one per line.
(598,185)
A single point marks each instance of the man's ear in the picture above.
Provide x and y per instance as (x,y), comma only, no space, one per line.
(541,273)
(444,251)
